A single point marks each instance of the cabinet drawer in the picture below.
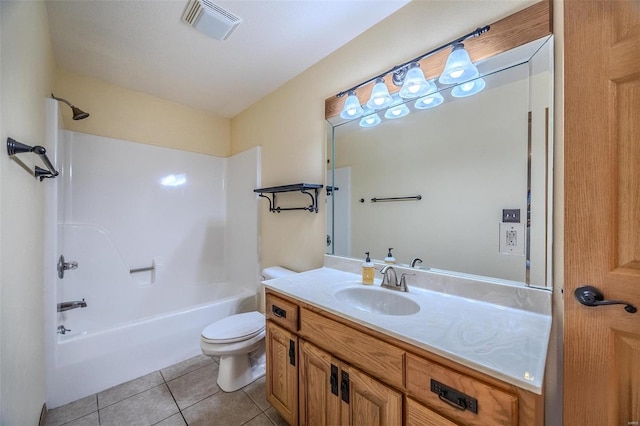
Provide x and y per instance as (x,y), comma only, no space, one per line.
(369,354)
(493,406)
(419,415)
(282,312)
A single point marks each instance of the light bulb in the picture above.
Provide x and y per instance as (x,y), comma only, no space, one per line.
(380,97)
(468,88)
(396,112)
(430,101)
(351,108)
(459,67)
(370,120)
(414,84)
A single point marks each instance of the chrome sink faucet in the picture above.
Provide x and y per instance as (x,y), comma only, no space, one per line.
(390,279)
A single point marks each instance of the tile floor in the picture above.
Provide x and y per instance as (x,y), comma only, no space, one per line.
(182,394)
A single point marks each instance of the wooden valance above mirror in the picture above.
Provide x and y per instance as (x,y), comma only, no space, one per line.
(515,30)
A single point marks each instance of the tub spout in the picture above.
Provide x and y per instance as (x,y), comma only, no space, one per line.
(65,306)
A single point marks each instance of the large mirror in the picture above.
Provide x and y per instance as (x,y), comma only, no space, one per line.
(464,186)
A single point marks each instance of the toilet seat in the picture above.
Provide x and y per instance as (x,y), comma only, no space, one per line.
(234,328)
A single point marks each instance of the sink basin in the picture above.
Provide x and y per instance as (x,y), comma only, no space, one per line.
(377,300)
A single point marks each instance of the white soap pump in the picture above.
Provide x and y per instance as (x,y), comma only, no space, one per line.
(390,259)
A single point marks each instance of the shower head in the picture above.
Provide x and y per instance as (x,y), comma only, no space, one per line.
(78,114)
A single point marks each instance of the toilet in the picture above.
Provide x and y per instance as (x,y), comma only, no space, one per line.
(239,342)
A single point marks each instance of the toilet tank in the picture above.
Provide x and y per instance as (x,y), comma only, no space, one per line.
(268,274)
(276,272)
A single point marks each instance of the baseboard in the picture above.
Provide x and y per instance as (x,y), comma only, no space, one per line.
(43,415)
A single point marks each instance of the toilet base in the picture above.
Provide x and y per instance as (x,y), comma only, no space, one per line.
(236,372)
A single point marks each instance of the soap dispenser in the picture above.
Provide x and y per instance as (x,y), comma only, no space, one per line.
(390,259)
(367,271)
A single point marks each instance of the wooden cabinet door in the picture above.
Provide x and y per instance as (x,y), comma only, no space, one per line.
(282,371)
(319,387)
(370,402)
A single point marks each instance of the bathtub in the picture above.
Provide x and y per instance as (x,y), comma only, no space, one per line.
(159,255)
(89,360)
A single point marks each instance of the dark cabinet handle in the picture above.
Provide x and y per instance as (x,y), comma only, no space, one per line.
(292,352)
(334,379)
(460,404)
(344,387)
(279,312)
(591,296)
(454,397)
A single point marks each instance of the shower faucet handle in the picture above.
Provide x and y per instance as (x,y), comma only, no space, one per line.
(65,266)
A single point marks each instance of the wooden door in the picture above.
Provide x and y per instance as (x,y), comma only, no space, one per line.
(319,387)
(602,211)
(370,402)
(282,371)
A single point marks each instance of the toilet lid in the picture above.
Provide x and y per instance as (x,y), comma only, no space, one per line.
(235,328)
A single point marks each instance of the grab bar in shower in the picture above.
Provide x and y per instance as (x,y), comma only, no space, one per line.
(14,147)
(148,268)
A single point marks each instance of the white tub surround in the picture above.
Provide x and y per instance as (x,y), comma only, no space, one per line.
(165,242)
(506,338)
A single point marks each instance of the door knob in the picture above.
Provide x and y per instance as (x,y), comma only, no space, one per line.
(591,296)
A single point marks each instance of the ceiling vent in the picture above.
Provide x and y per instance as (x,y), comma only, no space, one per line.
(210,19)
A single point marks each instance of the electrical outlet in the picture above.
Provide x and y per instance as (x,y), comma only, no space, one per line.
(511,238)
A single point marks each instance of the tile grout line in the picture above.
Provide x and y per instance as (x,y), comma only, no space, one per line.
(130,396)
(165,381)
(173,397)
(98,409)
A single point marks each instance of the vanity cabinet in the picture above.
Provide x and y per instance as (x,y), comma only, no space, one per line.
(334,393)
(386,381)
(282,371)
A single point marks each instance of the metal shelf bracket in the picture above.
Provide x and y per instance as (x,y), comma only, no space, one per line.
(304,188)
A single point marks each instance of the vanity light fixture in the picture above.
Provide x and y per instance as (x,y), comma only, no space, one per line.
(468,88)
(459,67)
(370,120)
(396,112)
(380,97)
(429,101)
(415,85)
(404,74)
(397,108)
(352,108)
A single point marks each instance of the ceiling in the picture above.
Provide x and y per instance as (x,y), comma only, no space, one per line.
(144,46)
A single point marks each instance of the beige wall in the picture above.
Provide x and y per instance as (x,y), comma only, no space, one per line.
(120,113)
(26,76)
(289,124)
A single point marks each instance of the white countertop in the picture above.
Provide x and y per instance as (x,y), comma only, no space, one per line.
(506,343)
